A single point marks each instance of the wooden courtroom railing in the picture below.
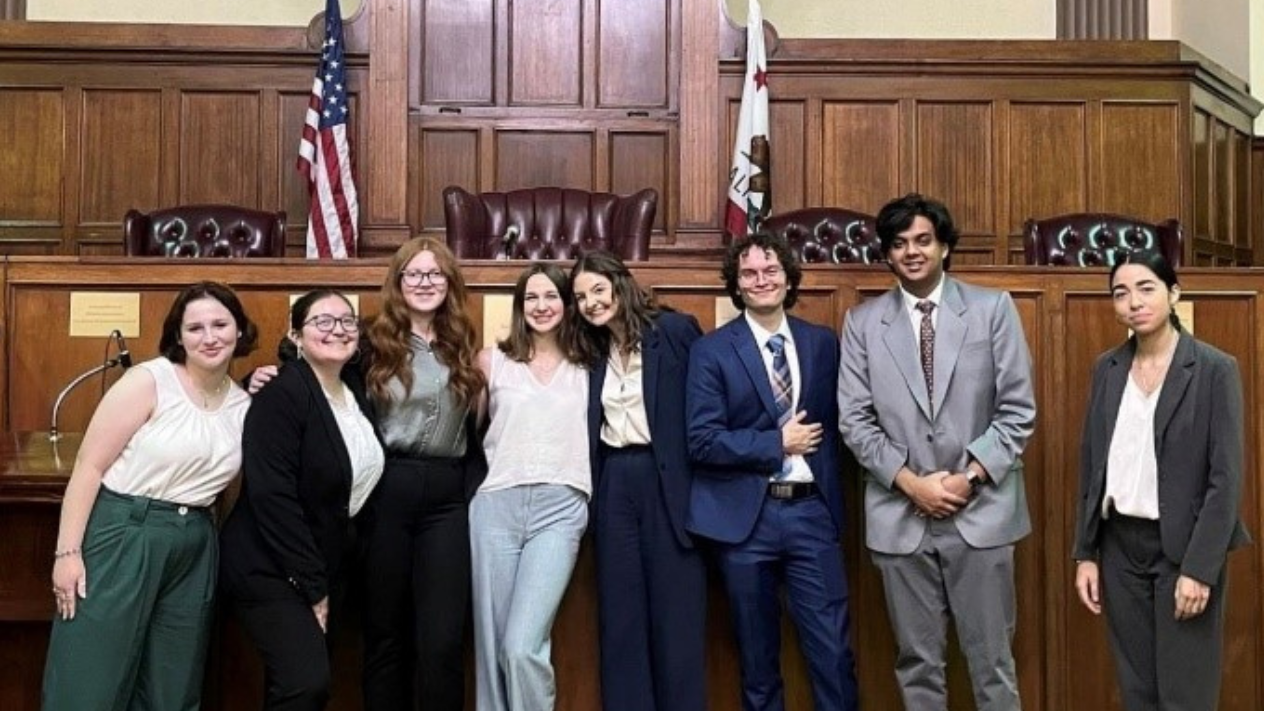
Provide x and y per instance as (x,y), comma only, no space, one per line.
(1062,652)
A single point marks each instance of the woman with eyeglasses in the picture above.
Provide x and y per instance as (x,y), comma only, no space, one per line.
(134,568)
(423,380)
(310,458)
(530,513)
(651,586)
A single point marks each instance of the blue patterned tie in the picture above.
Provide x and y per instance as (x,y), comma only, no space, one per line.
(782,385)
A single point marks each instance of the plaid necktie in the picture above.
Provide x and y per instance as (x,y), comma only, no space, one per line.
(782,385)
(927,344)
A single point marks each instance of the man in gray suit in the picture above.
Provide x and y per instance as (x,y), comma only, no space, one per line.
(935,401)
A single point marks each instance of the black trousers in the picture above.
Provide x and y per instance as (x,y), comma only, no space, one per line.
(294,650)
(416,587)
(1162,664)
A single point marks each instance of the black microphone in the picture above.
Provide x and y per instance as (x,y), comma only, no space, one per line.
(124,355)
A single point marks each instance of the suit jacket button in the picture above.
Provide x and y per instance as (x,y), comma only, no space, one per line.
(930,438)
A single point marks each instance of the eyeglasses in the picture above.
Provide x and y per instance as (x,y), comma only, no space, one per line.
(416,278)
(325,323)
(751,276)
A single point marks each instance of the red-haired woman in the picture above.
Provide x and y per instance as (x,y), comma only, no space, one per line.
(424,382)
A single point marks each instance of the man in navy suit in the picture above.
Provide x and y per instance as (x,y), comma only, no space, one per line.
(763,431)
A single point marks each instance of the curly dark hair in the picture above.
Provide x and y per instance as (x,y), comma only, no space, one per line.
(769,243)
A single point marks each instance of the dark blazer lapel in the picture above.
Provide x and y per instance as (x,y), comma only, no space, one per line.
(950,333)
(333,435)
(596,381)
(1116,381)
(1179,374)
(748,352)
(802,347)
(650,364)
(898,338)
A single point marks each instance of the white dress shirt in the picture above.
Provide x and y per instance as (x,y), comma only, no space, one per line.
(915,316)
(1132,469)
(795,468)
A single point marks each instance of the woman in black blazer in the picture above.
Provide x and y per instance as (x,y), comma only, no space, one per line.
(1160,484)
(651,585)
(310,458)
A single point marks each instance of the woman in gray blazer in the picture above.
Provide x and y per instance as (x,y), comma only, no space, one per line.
(1160,482)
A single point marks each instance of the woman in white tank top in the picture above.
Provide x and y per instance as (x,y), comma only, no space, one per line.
(134,568)
(528,516)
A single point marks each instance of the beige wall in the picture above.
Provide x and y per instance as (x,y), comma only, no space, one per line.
(923,19)
(1257,58)
(1218,29)
(215,12)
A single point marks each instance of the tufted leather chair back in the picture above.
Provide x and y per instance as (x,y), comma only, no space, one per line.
(204,231)
(1098,239)
(548,223)
(828,234)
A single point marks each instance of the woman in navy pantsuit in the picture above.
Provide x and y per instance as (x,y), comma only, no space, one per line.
(651,585)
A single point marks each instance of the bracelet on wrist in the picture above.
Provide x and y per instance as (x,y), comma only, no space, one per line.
(66,553)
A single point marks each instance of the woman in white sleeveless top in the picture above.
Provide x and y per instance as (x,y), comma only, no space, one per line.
(528,516)
(134,568)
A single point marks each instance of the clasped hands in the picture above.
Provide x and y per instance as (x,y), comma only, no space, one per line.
(938,494)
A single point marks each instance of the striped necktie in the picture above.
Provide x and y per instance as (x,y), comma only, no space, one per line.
(782,385)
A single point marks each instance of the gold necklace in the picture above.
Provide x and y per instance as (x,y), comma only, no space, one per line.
(208,396)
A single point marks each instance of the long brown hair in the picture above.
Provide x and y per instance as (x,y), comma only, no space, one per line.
(520,345)
(636,306)
(390,332)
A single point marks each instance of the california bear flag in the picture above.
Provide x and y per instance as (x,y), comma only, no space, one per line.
(750,196)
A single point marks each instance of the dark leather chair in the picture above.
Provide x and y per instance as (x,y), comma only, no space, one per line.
(548,223)
(828,234)
(204,231)
(1098,239)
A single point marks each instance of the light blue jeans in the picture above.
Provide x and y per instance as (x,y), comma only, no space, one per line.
(523,544)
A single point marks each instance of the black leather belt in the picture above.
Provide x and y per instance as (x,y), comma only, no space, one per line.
(791,490)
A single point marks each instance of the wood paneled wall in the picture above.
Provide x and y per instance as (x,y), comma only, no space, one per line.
(494,108)
(1062,654)
(616,95)
(1139,129)
(162,116)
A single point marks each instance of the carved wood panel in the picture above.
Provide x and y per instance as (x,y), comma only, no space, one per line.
(1048,158)
(33,157)
(120,155)
(1141,139)
(635,53)
(639,160)
(458,51)
(526,159)
(546,53)
(860,154)
(955,164)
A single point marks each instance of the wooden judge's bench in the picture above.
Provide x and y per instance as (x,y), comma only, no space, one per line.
(1062,654)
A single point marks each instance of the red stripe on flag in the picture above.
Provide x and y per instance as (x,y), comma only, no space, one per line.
(734,219)
(333,173)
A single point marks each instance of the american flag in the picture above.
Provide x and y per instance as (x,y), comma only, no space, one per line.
(324,154)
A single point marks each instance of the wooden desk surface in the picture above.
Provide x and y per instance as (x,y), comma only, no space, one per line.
(33,469)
